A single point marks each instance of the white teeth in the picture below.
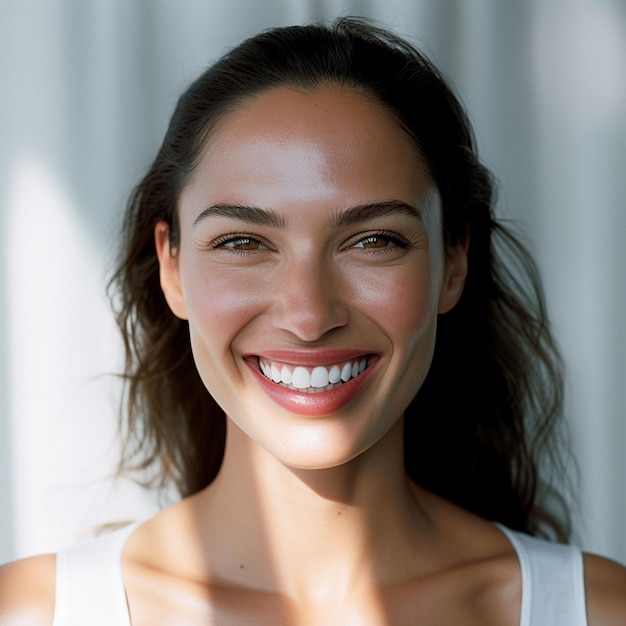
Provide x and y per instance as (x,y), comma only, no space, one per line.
(301,378)
(275,374)
(346,372)
(319,377)
(285,374)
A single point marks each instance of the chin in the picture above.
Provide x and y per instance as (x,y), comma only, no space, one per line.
(326,444)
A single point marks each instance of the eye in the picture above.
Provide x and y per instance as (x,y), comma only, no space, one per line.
(240,243)
(379,241)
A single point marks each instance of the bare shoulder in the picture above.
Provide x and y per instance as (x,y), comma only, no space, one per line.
(605,583)
(27,589)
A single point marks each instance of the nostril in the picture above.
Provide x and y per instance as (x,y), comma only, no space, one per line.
(309,319)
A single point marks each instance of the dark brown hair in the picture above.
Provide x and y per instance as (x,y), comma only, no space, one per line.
(484,421)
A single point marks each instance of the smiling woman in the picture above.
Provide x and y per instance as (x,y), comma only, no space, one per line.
(339,357)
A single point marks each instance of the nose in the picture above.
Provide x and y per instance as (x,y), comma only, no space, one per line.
(309,299)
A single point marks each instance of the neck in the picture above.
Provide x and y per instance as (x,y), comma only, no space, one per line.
(304,530)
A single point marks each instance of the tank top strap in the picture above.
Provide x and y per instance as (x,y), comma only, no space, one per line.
(89,584)
(553,582)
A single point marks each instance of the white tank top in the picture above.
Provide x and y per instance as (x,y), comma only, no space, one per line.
(90,590)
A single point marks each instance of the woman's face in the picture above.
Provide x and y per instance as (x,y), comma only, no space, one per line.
(311,268)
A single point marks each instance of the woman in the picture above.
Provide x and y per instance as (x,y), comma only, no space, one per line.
(314,247)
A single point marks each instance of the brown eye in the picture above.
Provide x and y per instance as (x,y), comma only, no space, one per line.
(380,240)
(243,243)
(373,241)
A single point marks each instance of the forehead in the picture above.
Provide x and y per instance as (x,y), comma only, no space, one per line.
(308,143)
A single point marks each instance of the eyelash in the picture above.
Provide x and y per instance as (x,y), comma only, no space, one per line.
(395,240)
(221,243)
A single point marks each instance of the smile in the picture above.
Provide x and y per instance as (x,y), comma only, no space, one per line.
(312,380)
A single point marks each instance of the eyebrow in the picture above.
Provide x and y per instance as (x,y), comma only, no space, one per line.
(364,212)
(347,217)
(244,213)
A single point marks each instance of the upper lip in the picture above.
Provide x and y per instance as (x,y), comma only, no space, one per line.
(321,356)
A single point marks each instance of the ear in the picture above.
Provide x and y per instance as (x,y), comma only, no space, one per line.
(455,274)
(169,271)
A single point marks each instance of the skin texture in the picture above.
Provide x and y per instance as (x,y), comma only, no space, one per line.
(311,519)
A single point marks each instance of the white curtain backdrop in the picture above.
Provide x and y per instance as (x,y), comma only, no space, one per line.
(86,89)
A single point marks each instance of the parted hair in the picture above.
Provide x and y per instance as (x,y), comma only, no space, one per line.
(484,430)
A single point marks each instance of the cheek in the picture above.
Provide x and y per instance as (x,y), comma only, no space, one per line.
(402,302)
(219,304)
(404,307)
(217,298)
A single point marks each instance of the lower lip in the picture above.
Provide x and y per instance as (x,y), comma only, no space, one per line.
(312,404)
